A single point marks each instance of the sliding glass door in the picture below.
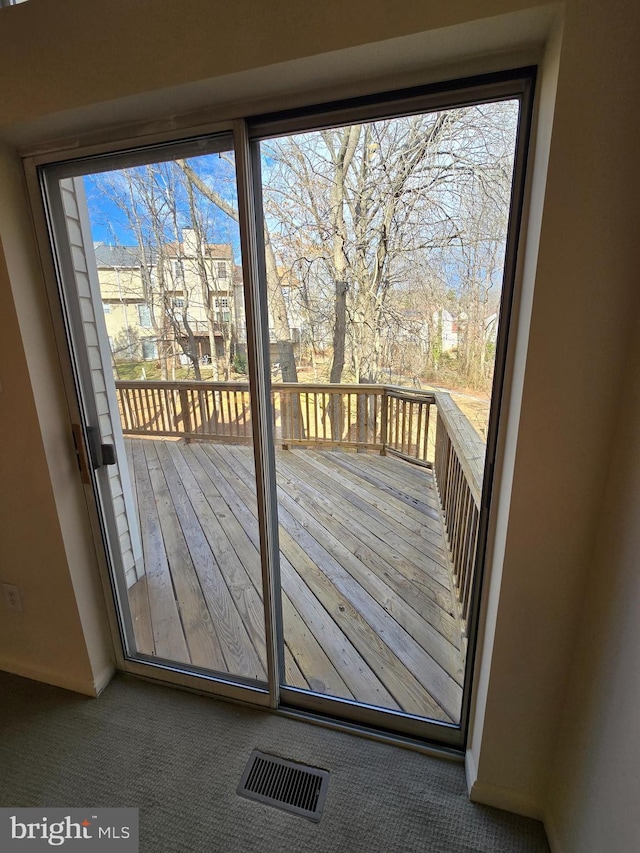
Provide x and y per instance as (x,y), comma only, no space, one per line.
(149,257)
(288,342)
(384,243)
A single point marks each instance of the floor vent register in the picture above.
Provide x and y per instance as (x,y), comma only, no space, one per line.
(286,785)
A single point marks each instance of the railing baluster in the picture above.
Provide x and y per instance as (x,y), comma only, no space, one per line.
(307,423)
(236,412)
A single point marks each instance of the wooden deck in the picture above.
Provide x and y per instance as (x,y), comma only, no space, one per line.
(368,611)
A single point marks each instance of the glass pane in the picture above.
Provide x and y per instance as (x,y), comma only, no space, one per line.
(385,246)
(155,252)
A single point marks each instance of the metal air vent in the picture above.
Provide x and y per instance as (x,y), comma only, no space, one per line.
(286,785)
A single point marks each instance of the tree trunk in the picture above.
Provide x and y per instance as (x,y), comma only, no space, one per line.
(279,318)
(339,331)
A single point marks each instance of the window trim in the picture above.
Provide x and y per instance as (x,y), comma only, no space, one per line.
(466,91)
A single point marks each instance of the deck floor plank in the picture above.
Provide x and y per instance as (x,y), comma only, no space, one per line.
(233,635)
(141,617)
(425,574)
(166,628)
(368,468)
(199,632)
(379,522)
(243,535)
(366,598)
(237,578)
(399,513)
(393,589)
(349,675)
(404,667)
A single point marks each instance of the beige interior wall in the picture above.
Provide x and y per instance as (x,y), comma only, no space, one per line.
(45,546)
(47,633)
(580,327)
(118,48)
(57,59)
(593,801)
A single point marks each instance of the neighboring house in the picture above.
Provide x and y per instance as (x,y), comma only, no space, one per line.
(144,303)
(413,328)
(449,331)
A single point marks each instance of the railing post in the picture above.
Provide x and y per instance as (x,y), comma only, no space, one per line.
(384,422)
(186,415)
(336,415)
(361,418)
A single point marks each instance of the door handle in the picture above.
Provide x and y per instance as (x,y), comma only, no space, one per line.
(108,454)
(101,454)
(95,448)
(92,451)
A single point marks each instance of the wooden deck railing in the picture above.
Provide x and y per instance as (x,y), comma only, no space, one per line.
(371,417)
(383,418)
(186,409)
(458,470)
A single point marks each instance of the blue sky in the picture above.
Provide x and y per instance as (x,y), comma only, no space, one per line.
(110,223)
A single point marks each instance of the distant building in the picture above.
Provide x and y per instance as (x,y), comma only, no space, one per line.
(171,293)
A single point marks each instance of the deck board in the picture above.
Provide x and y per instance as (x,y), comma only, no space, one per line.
(368,611)
(166,627)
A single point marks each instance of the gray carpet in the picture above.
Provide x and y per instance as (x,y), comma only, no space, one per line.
(178,757)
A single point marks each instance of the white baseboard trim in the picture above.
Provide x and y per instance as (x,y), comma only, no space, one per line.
(87,687)
(103,678)
(470,770)
(504,798)
(496,795)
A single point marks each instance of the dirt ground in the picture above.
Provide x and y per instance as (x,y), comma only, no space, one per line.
(476,411)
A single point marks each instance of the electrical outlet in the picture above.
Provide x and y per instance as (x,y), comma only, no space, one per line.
(12,597)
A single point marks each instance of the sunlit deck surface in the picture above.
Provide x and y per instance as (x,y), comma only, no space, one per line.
(368,610)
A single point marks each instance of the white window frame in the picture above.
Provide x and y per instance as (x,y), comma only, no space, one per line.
(146,342)
(146,322)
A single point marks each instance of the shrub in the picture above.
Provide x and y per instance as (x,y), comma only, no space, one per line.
(240,363)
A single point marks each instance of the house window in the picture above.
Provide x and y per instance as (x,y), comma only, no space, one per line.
(106,307)
(222,270)
(149,350)
(144,316)
(178,303)
(177,271)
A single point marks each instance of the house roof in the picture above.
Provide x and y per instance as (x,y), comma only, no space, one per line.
(118,256)
(131,256)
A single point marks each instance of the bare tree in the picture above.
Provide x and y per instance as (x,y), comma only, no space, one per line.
(277,304)
(376,236)
(364,206)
